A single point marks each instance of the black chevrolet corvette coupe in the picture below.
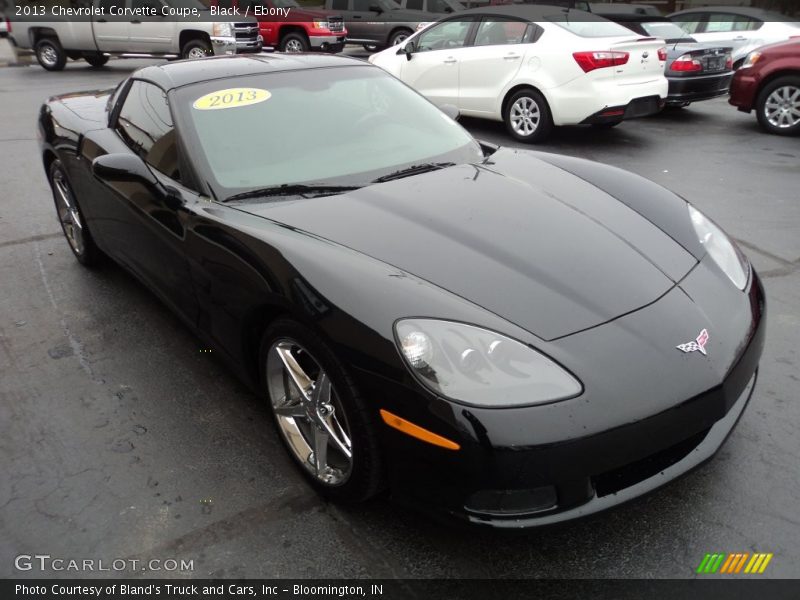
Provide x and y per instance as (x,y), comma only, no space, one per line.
(508,337)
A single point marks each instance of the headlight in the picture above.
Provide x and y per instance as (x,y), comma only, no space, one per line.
(720,247)
(480,367)
(751,59)
(222,30)
(320,24)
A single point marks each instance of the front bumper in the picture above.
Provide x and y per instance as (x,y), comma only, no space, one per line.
(636,108)
(230,45)
(327,43)
(502,478)
(693,89)
(744,88)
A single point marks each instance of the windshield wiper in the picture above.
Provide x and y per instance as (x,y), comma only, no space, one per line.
(413,170)
(306,191)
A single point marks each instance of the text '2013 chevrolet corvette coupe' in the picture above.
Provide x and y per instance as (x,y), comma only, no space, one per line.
(508,337)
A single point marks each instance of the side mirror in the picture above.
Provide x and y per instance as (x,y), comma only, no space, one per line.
(450,110)
(123,167)
(409,49)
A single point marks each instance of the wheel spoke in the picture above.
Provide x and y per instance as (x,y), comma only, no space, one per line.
(321,394)
(290,410)
(320,451)
(296,374)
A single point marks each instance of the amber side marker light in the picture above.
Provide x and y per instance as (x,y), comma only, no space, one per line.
(416,431)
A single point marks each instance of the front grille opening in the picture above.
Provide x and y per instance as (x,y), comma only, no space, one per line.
(625,476)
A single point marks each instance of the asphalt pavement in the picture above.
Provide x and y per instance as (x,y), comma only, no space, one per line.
(121,439)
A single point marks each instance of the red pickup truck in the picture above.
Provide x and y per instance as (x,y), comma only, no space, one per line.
(289,27)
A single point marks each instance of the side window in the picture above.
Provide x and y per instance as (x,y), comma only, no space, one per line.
(362,5)
(339,5)
(145,124)
(690,23)
(414,4)
(500,31)
(450,34)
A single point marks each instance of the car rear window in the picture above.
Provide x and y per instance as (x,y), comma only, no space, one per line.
(590,26)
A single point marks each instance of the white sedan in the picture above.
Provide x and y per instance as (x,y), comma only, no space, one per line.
(533,67)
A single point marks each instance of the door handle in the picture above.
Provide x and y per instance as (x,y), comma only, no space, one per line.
(511,56)
(450,60)
(136,22)
(356,16)
(740,38)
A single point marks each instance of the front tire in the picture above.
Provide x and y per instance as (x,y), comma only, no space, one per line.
(322,420)
(73,223)
(50,54)
(778,106)
(399,36)
(527,117)
(371,47)
(295,43)
(196,49)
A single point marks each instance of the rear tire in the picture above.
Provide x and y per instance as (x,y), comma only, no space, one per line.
(294,43)
(342,479)
(196,49)
(527,116)
(96,60)
(50,54)
(778,106)
(71,218)
(371,47)
(399,36)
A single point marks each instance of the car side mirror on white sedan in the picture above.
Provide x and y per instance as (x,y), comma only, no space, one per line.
(408,49)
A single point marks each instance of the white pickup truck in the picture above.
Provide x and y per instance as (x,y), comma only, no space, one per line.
(129,29)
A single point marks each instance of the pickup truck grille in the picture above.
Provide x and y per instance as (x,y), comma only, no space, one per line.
(336,24)
(245,32)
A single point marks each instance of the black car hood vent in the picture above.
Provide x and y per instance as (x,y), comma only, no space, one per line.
(522,238)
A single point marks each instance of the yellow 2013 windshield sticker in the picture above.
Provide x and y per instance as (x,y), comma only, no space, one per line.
(231,98)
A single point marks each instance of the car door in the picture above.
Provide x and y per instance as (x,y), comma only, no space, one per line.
(362,23)
(110,34)
(145,227)
(151,35)
(433,69)
(491,61)
(727,29)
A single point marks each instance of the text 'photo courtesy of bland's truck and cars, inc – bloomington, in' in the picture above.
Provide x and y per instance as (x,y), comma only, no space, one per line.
(417,298)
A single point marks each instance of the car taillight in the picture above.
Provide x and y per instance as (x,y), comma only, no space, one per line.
(589,61)
(662,54)
(686,64)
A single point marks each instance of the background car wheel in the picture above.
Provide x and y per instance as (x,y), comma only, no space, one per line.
(778,106)
(527,116)
(50,54)
(71,218)
(399,36)
(371,47)
(196,49)
(96,60)
(294,43)
(323,422)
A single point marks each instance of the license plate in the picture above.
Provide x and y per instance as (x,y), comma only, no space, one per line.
(715,63)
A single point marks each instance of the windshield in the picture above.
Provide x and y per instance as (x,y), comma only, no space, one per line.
(337,126)
(664,30)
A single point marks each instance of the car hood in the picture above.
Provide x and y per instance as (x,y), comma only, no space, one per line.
(517,236)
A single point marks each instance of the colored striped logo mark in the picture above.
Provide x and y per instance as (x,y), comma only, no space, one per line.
(734,563)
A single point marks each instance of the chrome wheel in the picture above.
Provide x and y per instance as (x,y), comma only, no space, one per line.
(782,108)
(196,52)
(293,46)
(68,213)
(48,54)
(308,412)
(525,116)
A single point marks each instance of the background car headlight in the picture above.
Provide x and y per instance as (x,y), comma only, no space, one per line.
(720,247)
(222,30)
(480,367)
(751,59)
(320,24)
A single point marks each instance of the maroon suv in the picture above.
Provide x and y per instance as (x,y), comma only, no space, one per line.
(769,83)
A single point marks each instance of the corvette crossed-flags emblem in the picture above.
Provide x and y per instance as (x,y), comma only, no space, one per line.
(698,345)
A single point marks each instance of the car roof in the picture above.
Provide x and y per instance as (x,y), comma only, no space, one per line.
(184,72)
(530,12)
(747,11)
